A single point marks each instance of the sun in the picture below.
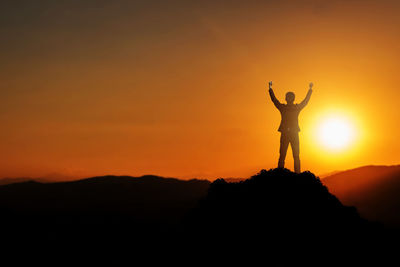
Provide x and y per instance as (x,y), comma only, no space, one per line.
(336,133)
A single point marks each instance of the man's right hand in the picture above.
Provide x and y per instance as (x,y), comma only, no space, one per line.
(270,85)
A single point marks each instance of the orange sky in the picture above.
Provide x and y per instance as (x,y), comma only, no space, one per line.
(179,89)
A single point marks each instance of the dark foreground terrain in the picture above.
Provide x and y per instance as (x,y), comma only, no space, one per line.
(374,190)
(274,217)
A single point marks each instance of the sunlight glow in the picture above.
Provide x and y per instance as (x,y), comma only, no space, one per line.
(336,133)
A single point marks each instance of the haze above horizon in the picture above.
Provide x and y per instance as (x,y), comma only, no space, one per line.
(179,88)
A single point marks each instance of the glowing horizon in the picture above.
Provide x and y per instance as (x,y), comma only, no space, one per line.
(179,89)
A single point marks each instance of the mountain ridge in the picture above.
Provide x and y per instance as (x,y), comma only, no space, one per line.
(373,189)
(6,180)
(109,214)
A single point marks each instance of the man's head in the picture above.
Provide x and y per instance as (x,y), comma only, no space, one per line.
(290,97)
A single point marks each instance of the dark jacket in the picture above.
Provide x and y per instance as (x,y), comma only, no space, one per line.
(289,113)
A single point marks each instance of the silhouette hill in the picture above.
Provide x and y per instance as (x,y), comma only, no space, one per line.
(4,181)
(100,218)
(373,190)
(278,211)
(146,199)
(108,219)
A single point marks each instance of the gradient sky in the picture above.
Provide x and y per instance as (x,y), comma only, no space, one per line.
(178,88)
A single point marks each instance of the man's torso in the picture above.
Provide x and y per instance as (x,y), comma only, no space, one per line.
(290,118)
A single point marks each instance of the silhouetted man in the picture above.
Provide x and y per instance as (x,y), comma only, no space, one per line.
(289,127)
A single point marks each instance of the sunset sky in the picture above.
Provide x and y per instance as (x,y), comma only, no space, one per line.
(179,88)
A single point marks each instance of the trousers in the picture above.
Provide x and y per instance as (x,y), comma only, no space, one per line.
(291,138)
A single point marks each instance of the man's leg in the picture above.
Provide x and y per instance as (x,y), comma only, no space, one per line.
(283,149)
(295,144)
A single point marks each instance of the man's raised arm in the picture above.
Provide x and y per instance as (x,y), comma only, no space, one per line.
(273,97)
(308,96)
